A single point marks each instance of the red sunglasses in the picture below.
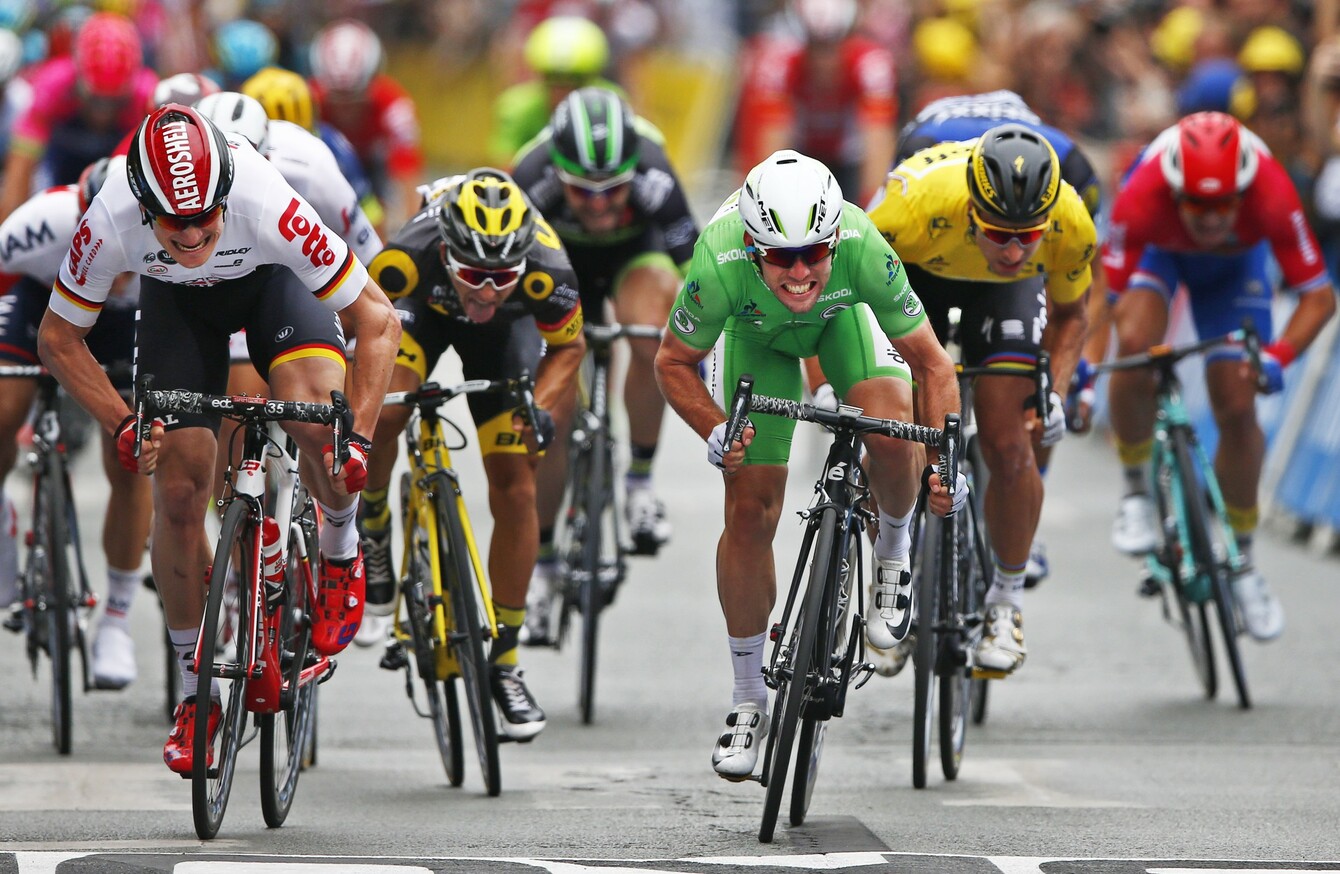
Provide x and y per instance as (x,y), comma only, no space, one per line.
(475,277)
(785,258)
(1002,236)
(178,223)
(1210,205)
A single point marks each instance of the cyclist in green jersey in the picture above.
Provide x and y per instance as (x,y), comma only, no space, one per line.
(785,270)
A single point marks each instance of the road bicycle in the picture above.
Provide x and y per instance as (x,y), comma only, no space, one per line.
(448,609)
(590,545)
(818,645)
(1191,568)
(55,601)
(256,638)
(952,572)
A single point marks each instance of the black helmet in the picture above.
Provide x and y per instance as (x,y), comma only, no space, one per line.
(90,182)
(1014,174)
(593,136)
(485,220)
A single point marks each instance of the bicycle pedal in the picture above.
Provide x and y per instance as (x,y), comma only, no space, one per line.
(328,673)
(1149,588)
(988,674)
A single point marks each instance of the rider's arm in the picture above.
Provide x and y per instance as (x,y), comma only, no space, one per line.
(1315,308)
(1063,338)
(677,374)
(556,377)
(60,345)
(933,370)
(372,321)
(19,167)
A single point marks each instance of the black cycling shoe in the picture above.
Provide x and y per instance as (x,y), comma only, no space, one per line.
(522,718)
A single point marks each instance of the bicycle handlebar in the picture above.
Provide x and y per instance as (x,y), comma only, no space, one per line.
(1166,355)
(603,335)
(431,395)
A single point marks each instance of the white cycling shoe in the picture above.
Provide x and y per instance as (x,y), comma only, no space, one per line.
(888,606)
(1136,529)
(737,748)
(1262,613)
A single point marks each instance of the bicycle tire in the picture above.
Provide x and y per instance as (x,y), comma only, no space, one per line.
(1192,615)
(467,638)
(284,735)
(978,475)
(591,598)
(791,691)
(210,787)
(955,678)
(55,596)
(927,584)
(831,648)
(443,712)
(1199,520)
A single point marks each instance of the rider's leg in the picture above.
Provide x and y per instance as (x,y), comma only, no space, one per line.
(124,533)
(15,401)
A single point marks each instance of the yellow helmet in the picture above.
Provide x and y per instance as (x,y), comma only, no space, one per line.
(1271,49)
(485,220)
(1173,40)
(567,45)
(284,94)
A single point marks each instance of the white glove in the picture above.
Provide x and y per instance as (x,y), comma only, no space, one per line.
(825,398)
(960,493)
(716,446)
(1055,428)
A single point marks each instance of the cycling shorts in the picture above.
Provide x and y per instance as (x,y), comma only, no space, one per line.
(601,270)
(851,348)
(184,331)
(498,349)
(111,339)
(1222,290)
(1000,323)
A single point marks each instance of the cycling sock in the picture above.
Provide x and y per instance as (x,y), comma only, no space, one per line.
(894,542)
(510,620)
(1007,585)
(1137,481)
(339,534)
(183,643)
(375,512)
(640,459)
(122,586)
(746,656)
(1243,520)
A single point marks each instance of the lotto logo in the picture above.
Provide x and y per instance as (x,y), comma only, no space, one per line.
(314,243)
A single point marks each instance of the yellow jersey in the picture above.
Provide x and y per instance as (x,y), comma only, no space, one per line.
(924,216)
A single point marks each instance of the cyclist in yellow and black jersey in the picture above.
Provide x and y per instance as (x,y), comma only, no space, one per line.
(989,226)
(477,269)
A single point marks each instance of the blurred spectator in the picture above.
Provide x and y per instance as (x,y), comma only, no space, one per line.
(373,110)
(16,95)
(826,91)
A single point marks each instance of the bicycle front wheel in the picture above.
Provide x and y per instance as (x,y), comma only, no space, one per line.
(591,597)
(285,735)
(955,678)
(223,628)
(468,623)
(793,675)
(56,583)
(1192,617)
(443,711)
(926,581)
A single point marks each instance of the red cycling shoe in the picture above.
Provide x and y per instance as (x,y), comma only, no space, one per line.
(341,589)
(179,751)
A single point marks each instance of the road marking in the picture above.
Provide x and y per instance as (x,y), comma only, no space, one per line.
(814,861)
(221,867)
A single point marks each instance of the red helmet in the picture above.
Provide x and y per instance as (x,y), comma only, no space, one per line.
(179,163)
(1209,155)
(107,55)
(345,56)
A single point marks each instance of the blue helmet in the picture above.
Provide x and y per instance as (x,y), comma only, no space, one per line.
(244,47)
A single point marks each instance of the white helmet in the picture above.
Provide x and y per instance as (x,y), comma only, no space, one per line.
(790,201)
(237,113)
(11,54)
(184,88)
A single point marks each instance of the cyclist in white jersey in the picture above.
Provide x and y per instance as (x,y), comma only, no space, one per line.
(222,242)
(33,241)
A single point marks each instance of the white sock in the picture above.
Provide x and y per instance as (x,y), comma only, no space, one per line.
(1007,586)
(746,656)
(183,642)
(122,585)
(339,534)
(894,542)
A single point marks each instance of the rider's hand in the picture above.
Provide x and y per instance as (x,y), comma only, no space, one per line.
(825,398)
(729,459)
(541,432)
(125,446)
(942,504)
(1080,399)
(1055,427)
(354,473)
(1273,361)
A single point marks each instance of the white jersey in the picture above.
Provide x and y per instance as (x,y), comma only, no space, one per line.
(310,167)
(267,222)
(36,237)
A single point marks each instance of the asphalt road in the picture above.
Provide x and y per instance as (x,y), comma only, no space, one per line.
(1101,748)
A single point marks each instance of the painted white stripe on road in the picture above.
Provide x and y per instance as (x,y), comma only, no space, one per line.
(1236,870)
(220,867)
(814,862)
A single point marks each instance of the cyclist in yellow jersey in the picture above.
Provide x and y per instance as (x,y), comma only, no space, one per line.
(989,226)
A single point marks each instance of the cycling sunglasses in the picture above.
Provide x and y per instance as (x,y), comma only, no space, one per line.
(475,277)
(1002,235)
(594,188)
(1209,205)
(177,223)
(784,258)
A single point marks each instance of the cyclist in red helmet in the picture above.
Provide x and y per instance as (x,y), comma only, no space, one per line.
(1205,206)
(82,107)
(222,242)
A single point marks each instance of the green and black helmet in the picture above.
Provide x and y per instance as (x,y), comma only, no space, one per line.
(593,137)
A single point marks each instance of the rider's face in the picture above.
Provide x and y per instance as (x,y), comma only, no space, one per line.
(798,285)
(600,212)
(193,245)
(1209,222)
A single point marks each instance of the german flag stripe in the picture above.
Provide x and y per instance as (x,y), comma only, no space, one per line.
(338,279)
(309,350)
(78,300)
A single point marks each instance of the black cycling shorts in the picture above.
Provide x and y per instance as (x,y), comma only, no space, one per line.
(111,339)
(1001,323)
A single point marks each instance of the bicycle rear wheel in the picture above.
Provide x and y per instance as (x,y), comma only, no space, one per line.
(212,776)
(955,678)
(926,580)
(793,675)
(1200,518)
(595,494)
(285,735)
(830,652)
(468,623)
